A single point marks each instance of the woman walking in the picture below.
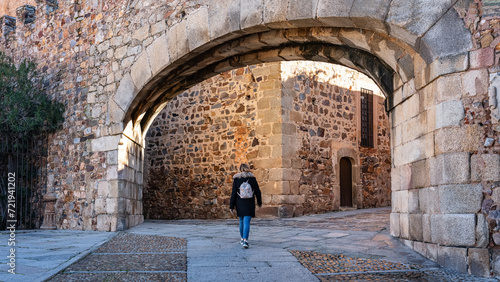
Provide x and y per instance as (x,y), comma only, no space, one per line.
(243,198)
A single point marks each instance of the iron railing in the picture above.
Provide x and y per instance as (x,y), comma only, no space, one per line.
(23,165)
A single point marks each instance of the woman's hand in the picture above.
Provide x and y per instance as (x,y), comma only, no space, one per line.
(232,211)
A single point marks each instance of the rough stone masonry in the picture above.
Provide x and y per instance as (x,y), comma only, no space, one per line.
(197,142)
(116,64)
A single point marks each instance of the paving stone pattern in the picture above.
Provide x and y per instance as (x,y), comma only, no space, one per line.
(132,257)
(328,267)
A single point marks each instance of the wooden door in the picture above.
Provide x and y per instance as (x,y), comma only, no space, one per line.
(345,182)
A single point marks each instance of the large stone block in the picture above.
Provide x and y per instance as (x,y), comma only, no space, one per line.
(415,150)
(335,14)
(479,262)
(394,222)
(275,12)
(404,225)
(302,13)
(449,87)
(356,39)
(400,201)
(178,44)
(457,199)
(475,82)
(158,54)
(446,65)
(124,95)
(141,71)
(370,15)
(420,174)
(413,201)
(252,16)
(426,228)
(429,200)
(453,258)
(447,37)
(453,229)
(449,113)
(197,28)
(482,231)
(106,143)
(415,227)
(485,167)
(229,10)
(464,138)
(409,20)
(450,168)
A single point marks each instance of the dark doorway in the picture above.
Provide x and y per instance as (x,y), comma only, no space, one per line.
(345,182)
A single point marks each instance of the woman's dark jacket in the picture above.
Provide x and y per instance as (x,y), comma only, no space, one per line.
(245,207)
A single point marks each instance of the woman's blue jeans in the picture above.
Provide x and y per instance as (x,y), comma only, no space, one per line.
(245,226)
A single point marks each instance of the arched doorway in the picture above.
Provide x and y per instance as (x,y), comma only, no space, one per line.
(345,182)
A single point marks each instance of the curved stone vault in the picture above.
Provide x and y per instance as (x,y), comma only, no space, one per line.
(421,53)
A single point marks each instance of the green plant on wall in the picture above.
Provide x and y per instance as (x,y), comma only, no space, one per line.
(25,108)
(27,115)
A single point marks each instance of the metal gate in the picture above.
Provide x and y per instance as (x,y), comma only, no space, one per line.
(23,180)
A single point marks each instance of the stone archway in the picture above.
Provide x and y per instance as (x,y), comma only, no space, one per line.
(407,48)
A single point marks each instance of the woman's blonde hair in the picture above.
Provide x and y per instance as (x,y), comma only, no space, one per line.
(244,168)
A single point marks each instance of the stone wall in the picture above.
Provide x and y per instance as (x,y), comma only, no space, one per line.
(198,140)
(114,63)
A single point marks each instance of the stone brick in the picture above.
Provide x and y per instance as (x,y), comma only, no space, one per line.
(450,168)
(197,29)
(394,221)
(158,54)
(460,198)
(370,15)
(426,229)
(413,201)
(482,232)
(404,225)
(415,227)
(252,16)
(482,58)
(178,44)
(479,262)
(465,138)
(335,14)
(485,167)
(224,9)
(429,200)
(410,20)
(448,64)
(453,229)
(445,38)
(141,33)
(420,174)
(275,14)
(125,93)
(453,258)
(103,222)
(414,150)
(449,87)
(106,143)
(302,13)
(475,82)
(449,113)
(356,39)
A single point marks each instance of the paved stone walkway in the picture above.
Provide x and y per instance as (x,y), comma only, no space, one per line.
(340,246)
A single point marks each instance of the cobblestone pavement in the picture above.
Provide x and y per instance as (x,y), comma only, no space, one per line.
(329,267)
(132,257)
(338,246)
